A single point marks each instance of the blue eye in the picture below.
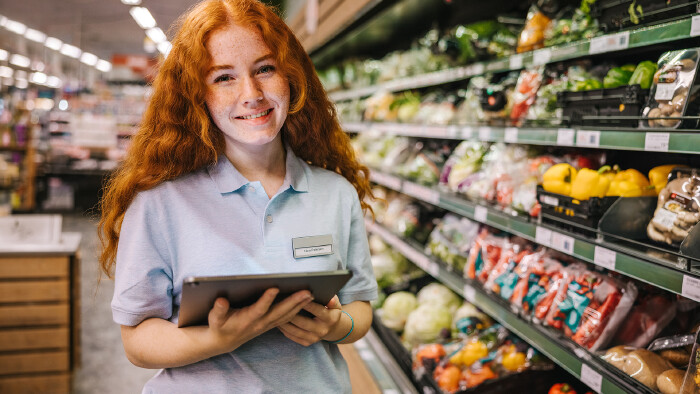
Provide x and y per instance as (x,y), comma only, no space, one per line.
(266,69)
(223,78)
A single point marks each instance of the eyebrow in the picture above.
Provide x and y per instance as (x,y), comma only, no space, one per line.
(227,66)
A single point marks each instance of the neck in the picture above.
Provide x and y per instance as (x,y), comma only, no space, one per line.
(265,163)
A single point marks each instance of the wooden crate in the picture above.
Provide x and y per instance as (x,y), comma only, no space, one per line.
(39,302)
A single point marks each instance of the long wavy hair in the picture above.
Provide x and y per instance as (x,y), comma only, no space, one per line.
(177,135)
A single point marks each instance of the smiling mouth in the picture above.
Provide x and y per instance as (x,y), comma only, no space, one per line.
(258,115)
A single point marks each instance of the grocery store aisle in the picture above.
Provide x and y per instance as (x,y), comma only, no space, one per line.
(103,366)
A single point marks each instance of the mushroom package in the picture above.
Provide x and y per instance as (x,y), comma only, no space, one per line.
(678,208)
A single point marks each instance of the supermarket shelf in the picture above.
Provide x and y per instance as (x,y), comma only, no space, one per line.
(681,141)
(638,38)
(579,362)
(666,273)
(13,148)
(388,375)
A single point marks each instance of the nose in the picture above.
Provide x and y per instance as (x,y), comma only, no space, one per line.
(251,92)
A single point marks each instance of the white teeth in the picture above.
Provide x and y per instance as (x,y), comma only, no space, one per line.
(257,115)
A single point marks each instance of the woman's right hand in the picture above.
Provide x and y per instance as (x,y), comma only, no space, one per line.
(231,328)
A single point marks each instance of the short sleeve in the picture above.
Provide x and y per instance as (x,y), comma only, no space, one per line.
(143,277)
(363,285)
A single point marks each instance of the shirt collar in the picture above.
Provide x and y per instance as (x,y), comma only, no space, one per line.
(228,179)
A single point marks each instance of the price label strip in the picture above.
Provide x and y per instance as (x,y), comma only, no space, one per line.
(511,135)
(695,26)
(691,288)
(541,56)
(657,142)
(588,138)
(389,181)
(469,293)
(484,133)
(421,193)
(609,43)
(604,258)
(563,243)
(565,137)
(543,236)
(592,378)
(515,62)
(481,214)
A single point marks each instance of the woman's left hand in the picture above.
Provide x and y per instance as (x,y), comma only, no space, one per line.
(308,330)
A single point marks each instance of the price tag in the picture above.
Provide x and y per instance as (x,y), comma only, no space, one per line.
(476,69)
(469,293)
(588,138)
(563,243)
(543,236)
(541,56)
(691,288)
(467,132)
(592,378)
(566,137)
(421,193)
(604,258)
(515,62)
(452,132)
(434,131)
(484,133)
(480,213)
(664,91)
(549,200)
(610,42)
(695,26)
(657,142)
(511,134)
(387,180)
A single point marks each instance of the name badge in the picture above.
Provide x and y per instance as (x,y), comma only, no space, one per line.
(318,245)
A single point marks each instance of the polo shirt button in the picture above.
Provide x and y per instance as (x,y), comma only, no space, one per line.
(269,218)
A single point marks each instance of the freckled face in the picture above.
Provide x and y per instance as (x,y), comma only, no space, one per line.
(247,97)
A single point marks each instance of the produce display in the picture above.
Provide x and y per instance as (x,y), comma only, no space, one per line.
(450,240)
(677,209)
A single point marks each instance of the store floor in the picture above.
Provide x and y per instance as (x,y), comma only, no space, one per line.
(104,367)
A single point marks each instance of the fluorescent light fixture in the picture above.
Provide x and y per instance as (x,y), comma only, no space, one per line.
(35,35)
(165,47)
(53,43)
(3,21)
(131,2)
(20,61)
(38,78)
(38,66)
(156,34)
(143,17)
(53,82)
(6,72)
(4,54)
(15,27)
(21,83)
(103,66)
(88,58)
(20,74)
(70,50)
(8,81)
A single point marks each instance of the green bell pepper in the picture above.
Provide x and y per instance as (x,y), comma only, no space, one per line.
(617,76)
(643,75)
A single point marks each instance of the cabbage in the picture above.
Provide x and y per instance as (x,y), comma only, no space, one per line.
(427,324)
(439,295)
(467,319)
(396,309)
(389,268)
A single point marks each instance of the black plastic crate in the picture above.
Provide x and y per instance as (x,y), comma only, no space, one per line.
(614,15)
(570,210)
(603,107)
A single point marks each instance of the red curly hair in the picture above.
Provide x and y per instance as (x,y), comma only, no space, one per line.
(177,135)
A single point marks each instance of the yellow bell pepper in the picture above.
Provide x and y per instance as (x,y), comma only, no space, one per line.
(513,361)
(558,178)
(658,176)
(630,183)
(590,183)
(470,353)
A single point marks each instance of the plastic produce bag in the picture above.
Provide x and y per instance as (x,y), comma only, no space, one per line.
(450,240)
(483,256)
(677,209)
(650,314)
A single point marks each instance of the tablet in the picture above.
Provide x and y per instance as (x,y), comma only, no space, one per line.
(199,293)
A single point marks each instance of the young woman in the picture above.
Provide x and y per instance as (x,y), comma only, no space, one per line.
(239,152)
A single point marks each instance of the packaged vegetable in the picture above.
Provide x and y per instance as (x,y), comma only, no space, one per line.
(532,35)
(643,74)
(672,90)
(503,278)
(465,160)
(658,176)
(670,381)
(650,314)
(525,93)
(617,76)
(540,281)
(468,320)
(645,367)
(677,209)
(591,308)
(451,239)
(483,256)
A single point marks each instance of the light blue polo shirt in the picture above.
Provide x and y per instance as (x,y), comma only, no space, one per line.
(216,222)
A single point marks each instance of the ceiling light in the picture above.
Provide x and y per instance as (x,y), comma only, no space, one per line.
(164,48)
(38,66)
(156,34)
(19,60)
(4,54)
(6,72)
(131,2)
(103,66)
(38,78)
(3,20)
(143,17)
(15,27)
(35,35)
(53,43)
(20,74)
(88,58)
(70,50)
(8,81)
(21,83)
(53,82)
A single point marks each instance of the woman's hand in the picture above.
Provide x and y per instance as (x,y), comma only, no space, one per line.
(230,328)
(325,324)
